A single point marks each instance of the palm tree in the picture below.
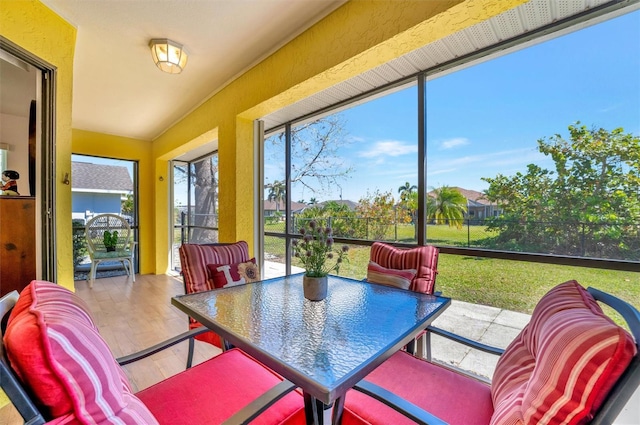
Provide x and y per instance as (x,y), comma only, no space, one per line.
(406,190)
(450,206)
(277,192)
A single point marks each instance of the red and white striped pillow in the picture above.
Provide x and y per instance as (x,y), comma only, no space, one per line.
(55,348)
(391,277)
(562,365)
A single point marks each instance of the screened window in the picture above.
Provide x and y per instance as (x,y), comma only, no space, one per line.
(533,152)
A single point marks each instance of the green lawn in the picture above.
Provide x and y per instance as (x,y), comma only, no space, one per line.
(511,285)
(438,235)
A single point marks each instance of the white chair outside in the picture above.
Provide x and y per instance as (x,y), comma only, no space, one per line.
(109,238)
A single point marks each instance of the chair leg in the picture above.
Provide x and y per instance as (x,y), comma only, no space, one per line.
(421,351)
(125,265)
(190,355)
(92,274)
(427,338)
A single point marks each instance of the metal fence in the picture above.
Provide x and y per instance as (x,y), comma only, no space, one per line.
(607,240)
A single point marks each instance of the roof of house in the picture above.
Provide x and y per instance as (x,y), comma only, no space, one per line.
(475,197)
(271,206)
(100,177)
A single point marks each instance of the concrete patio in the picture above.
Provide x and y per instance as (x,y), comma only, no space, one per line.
(488,325)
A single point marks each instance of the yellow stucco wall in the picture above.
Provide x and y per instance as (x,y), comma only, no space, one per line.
(98,144)
(35,28)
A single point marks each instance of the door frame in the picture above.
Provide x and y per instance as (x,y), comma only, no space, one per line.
(45,229)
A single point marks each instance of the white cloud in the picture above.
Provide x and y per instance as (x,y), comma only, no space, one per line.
(389,148)
(355,139)
(448,170)
(609,108)
(514,156)
(454,143)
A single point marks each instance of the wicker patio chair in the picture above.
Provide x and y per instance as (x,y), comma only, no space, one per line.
(109,238)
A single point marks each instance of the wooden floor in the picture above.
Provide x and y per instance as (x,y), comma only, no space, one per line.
(133,316)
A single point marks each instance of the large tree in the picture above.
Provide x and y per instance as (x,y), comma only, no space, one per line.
(406,190)
(315,160)
(277,193)
(206,200)
(448,206)
(204,205)
(589,205)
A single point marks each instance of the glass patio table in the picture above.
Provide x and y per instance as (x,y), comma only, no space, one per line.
(324,347)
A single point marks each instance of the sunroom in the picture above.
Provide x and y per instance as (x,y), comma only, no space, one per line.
(420,95)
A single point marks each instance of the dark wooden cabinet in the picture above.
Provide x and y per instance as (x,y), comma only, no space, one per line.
(17,242)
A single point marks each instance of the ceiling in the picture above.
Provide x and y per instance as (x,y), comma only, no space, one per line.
(118,90)
(16,96)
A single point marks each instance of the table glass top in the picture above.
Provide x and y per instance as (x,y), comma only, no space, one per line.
(325,342)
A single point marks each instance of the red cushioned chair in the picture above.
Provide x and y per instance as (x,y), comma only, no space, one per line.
(406,268)
(194,259)
(56,368)
(570,365)
(420,264)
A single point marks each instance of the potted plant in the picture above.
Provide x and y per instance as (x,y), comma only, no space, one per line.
(110,240)
(319,257)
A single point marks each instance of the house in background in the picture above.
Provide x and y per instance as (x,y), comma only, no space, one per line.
(98,188)
(272,208)
(478,206)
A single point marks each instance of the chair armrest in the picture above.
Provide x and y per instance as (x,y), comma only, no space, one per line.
(465,341)
(160,346)
(398,403)
(260,404)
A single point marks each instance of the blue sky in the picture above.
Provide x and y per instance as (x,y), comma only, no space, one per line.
(486,119)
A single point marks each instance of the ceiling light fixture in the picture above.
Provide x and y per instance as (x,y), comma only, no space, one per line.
(168,55)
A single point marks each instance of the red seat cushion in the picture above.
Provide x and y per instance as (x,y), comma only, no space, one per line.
(423,259)
(214,390)
(436,389)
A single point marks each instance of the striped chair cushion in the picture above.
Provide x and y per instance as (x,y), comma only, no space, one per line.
(423,259)
(194,259)
(55,348)
(390,277)
(562,365)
